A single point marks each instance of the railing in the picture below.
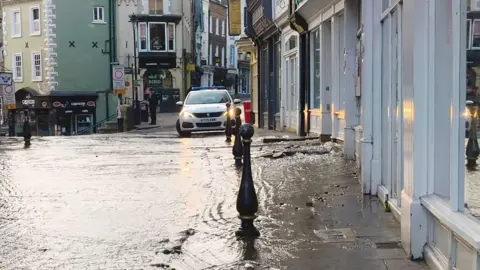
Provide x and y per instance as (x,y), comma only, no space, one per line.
(98,124)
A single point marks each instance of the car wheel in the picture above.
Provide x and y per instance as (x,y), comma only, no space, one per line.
(181,132)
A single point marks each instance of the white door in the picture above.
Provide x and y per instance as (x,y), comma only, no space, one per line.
(291,97)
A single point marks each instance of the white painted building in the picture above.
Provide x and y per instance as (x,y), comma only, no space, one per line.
(182,37)
(388,79)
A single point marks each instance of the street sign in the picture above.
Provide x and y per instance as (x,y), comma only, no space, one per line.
(6,78)
(119,92)
(191,67)
(118,77)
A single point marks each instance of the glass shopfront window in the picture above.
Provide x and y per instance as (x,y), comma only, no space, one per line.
(315,69)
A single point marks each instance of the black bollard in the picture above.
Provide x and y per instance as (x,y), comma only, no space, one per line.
(237,149)
(27,134)
(228,124)
(473,150)
(247,202)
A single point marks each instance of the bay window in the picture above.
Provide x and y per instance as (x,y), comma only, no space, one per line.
(156,37)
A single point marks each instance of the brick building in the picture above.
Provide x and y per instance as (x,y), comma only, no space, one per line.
(218,39)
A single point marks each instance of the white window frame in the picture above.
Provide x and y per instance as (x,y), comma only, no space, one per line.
(156,8)
(472,29)
(469,34)
(217,26)
(166,37)
(100,10)
(146,38)
(32,21)
(17,78)
(174,37)
(14,34)
(36,78)
(210,56)
(222,56)
(210,25)
(223,28)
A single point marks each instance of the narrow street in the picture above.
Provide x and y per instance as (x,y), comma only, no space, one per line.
(150,200)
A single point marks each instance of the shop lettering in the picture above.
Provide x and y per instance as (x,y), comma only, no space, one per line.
(57,104)
(91,104)
(78,104)
(28,102)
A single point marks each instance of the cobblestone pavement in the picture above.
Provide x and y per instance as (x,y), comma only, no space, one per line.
(151,200)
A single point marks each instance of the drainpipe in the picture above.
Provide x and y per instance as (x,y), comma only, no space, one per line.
(109,57)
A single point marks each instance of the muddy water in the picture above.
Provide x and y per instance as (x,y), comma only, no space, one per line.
(138,202)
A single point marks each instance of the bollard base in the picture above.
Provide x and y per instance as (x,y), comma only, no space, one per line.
(247,229)
(471,162)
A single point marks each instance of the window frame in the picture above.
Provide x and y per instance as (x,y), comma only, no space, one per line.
(174,37)
(32,21)
(156,8)
(313,66)
(17,78)
(100,10)
(469,33)
(140,37)
(472,29)
(210,25)
(149,40)
(36,78)
(223,28)
(217,26)
(12,14)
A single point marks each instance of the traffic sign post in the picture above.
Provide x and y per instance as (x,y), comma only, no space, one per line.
(118,78)
(8,89)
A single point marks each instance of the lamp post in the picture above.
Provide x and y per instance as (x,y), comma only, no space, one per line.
(27,133)
(136,103)
(472,151)
(247,202)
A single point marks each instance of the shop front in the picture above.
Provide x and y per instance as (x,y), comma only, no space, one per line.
(160,83)
(74,112)
(39,112)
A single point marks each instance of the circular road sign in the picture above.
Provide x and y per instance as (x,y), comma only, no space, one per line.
(8,89)
(118,74)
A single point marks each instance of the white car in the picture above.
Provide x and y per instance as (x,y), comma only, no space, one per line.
(204,110)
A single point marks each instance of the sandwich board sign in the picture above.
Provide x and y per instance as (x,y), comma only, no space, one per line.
(8,89)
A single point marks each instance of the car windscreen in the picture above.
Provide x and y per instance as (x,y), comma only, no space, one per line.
(207,97)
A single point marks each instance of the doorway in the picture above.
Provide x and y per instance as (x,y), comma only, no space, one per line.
(292,93)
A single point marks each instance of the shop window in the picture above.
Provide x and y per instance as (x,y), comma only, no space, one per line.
(291,43)
(476,34)
(315,46)
(469,34)
(155,7)
(157,34)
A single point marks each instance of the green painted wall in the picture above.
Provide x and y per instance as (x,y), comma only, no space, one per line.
(83,67)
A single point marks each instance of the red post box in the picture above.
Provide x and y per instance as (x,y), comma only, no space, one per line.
(247,109)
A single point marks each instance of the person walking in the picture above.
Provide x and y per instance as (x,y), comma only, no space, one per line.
(153,102)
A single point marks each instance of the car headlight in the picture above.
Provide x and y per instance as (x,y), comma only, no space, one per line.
(186,114)
(231,113)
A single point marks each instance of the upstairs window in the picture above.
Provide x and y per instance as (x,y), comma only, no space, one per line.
(223,28)
(98,14)
(36,66)
(35,29)
(216,26)
(155,7)
(16,24)
(156,37)
(17,67)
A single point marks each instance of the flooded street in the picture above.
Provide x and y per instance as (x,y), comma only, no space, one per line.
(146,201)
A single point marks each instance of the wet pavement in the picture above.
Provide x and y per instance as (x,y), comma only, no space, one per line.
(151,200)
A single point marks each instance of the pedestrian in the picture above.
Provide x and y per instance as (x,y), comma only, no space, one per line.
(119,116)
(153,102)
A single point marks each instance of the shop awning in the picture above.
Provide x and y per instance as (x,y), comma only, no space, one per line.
(73,94)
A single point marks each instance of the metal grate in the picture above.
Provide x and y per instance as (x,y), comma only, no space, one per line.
(206,115)
(211,124)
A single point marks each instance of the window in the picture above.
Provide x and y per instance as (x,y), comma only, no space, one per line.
(157,37)
(476,34)
(210,26)
(223,28)
(210,55)
(36,66)
(222,56)
(469,33)
(171,37)
(16,24)
(98,15)
(216,56)
(142,35)
(315,66)
(35,21)
(155,7)
(232,56)
(216,26)
(17,67)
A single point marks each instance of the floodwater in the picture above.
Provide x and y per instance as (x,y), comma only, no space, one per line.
(131,201)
